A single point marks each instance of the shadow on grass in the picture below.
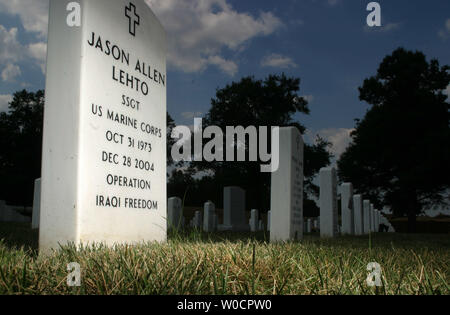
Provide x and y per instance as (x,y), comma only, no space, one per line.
(376,240)
(19,235)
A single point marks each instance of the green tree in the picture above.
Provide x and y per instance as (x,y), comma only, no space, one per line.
(401,149)
(270,102)
(21,143)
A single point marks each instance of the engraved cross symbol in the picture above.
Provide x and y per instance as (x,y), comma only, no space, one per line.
(130,13)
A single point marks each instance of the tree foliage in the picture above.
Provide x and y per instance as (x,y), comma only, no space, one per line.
(21,143)
(401,149)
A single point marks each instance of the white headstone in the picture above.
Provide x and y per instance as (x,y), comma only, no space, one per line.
(376,220)
(372,217)
(208,216)
(328,203)
(174,213)
(286,221)
(234,210)
(367,217)
(36,204)
(309,226)
(260,225)
(347,211)
(104,142)
(254,220)
(379,218)
(198,220)
(316,224)
(358,214)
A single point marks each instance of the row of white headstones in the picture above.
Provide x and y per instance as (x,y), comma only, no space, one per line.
(285,221)
(358,215)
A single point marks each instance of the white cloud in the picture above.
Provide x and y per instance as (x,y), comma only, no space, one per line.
(34,17)
(199,31)
(10,72)
(191,115)
(445,33)
(10,49)
(309,98)
(384,28)
(13,52)
(339,137)
(32,13)
(38,51)
(227,66)
(278,61)
(4,102)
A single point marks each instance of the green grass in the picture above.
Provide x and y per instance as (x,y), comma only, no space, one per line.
(193,263)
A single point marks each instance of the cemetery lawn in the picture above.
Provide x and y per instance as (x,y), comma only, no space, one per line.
(229,264)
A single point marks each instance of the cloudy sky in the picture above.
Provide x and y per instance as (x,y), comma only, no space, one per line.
(213,42)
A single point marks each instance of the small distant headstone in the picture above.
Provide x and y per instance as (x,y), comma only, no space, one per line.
(233,210)
(208,217)
(379,217)
(36,204)
(348,224)
(358,214)
(254,220)
(367,217)
(377,224)
(316,224)
(328,203)
(309,226)
(372,218)
(260,225)
(286,222)
(174,213)
(198,220)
